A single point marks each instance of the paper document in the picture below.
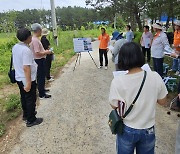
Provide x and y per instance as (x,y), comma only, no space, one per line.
(110,48)
(145,67)
(169,49)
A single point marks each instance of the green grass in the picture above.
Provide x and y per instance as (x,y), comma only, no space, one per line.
(10,107)
(2,129)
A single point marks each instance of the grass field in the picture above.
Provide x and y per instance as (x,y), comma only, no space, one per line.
(10,107)
(9,101)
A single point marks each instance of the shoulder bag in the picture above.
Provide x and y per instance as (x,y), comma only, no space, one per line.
(11,72)
(115,121)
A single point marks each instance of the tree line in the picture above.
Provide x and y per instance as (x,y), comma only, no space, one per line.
(68,18)
(135,11)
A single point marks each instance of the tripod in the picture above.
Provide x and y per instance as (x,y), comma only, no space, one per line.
(79,59)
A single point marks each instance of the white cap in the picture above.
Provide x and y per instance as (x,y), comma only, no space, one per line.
(158,26)
(36,27)
(177,22)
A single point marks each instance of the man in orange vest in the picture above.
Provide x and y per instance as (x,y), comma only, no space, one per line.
(104,40)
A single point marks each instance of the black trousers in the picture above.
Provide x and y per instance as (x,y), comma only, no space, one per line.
(48,66)
(158,65)
(147,51)
(178,102)
(28,101)
(101,53)
(41,75)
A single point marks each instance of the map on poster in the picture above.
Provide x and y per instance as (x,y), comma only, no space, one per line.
(82,44)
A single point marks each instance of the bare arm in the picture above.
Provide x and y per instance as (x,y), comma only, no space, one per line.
(162,101)
(47,52)
(27,72)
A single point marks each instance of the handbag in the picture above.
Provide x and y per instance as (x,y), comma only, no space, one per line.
(11,72)
(115,121)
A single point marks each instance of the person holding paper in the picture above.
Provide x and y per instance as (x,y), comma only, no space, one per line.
(104,41)
(49,58)
(117,46)
(40,58)
(160,44)
(146,41)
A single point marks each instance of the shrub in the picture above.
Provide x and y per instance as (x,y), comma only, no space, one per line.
(12,103)
(137,37)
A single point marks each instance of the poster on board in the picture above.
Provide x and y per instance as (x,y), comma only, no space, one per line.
(82,44)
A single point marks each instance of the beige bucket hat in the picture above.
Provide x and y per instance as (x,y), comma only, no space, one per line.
(158,26)
(45,31)
(177,22)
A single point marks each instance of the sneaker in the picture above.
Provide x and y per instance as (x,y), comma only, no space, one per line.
(36,122)
(177,73)
(25,119)
(44,97)
(50,80)
(105,67)
(47,90)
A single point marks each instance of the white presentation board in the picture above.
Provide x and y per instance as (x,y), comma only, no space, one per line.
(82,44)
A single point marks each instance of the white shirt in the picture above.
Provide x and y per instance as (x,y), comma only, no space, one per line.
(158,45)
(125,87)
(22,55)
(117,46)
(129,36)
(146,39)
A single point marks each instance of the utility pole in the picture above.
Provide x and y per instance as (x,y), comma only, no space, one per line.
(115,21)
(54,23)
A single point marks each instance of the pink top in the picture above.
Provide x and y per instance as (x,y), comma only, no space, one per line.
(146,39)
(36,46)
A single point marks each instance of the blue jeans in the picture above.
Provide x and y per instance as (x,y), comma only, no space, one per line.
(141,139)
(41,75)
(176,65)
(158,65)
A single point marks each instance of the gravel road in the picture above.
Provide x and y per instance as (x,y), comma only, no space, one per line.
(75,119)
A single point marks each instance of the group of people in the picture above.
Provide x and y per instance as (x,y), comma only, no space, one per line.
(32,58)
(139,125)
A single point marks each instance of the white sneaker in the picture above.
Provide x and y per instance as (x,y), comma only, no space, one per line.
(99,67)
(50,80)
(105,67)
(177,73)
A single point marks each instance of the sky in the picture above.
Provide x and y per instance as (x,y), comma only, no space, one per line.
(6,5)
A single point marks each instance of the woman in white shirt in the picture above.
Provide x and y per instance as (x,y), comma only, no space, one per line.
(138,130)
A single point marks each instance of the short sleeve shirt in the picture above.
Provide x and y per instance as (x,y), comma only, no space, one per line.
(36,46)
(146,39)
(125,87)
(104,40)
(45,42)
(129,36)
(177,39)
(23,56)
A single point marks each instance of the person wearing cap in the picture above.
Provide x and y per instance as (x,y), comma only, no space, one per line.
(159,43)
(129,34)
(146,41)
(176,45)
(117,46)
(40,57)
(104,41)
(46,44)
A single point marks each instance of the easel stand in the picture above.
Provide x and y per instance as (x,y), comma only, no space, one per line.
(79,59)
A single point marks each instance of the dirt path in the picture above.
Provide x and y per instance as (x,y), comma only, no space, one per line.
(75,119)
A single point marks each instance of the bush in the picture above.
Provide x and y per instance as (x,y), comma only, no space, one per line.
(2,129)
(12,103)
(137,37)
